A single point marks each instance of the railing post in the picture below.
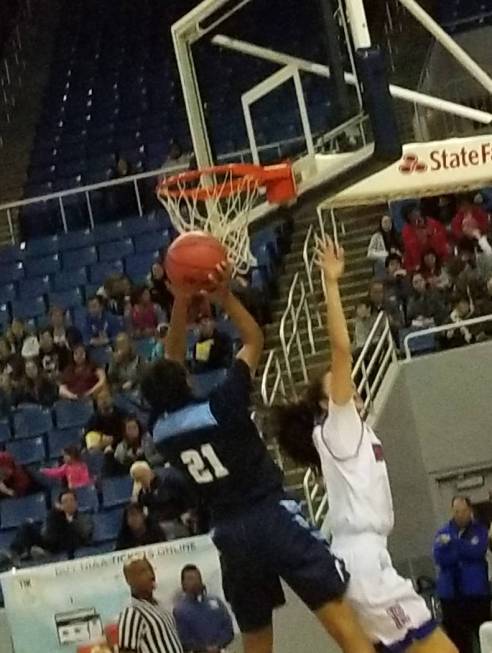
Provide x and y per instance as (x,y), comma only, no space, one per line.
(63,216)
(137,195)
(11,226)
(89,209)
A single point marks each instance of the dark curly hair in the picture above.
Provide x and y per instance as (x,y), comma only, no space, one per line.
(292,425)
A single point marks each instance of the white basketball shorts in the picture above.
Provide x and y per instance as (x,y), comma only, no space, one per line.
(388,607)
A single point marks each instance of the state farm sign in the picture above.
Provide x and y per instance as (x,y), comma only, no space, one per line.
(435,168)
(447,159)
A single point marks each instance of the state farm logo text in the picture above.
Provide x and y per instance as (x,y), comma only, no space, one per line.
(444,159)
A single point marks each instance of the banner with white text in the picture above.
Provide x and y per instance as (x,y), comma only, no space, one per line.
(64,606)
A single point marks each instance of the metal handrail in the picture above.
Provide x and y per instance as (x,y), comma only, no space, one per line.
(451,326)
(292,316)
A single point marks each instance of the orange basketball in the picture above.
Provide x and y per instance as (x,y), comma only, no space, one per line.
(192,258)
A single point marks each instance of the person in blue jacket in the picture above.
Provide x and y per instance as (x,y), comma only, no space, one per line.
(203,621)
(460,549)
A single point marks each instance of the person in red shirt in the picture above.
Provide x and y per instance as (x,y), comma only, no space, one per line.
(421,234)
(469,217)
(14,480)
(145,315)
(81,378)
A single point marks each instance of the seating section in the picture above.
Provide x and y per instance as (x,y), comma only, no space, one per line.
(115,92)
(461,15)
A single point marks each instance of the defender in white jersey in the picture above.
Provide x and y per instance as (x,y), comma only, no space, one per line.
(325,429)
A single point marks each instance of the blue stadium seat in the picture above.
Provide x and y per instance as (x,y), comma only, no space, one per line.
(69,414)
(107,232)
(86,497)
(31,420)
(79,315)
(6,539)
(151,241)
(11,272)
(5,431)
(34,287)
(14,512)
(113,250)
(59,439)
(30,308)
(7,293)
(38,267)
(41,247)
(100,356)
(99,272)
(66,299)
(87,551)
(107,525)
(203,384)
(76,240)
(70,279)
(141,225)
(116,491)
(138,266)
(11,254)
(27,452)
(79,258)
(4,316)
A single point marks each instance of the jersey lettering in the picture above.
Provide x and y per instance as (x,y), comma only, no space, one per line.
(399,616)
(204,465)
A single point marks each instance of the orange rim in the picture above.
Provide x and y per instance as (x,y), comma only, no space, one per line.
(241,176)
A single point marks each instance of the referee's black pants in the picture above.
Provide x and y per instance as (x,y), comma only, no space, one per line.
(462,619)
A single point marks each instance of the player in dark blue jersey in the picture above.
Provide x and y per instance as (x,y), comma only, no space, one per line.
(260,533)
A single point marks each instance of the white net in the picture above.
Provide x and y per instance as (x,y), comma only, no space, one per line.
(219,207)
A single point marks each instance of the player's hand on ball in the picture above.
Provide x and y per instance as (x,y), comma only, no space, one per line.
(219,281)
(330,259)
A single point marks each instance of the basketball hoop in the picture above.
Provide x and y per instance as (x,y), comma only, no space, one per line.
(219,200)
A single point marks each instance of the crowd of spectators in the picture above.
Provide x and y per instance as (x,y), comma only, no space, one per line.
(61,361)
(437,270)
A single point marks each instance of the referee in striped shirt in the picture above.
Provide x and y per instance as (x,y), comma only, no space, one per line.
(145,626)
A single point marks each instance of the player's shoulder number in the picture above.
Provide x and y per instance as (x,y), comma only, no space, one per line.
(204,465)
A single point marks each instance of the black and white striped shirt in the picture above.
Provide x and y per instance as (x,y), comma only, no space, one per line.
(146,627)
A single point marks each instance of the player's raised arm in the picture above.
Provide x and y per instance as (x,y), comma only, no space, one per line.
(332,264)
(176,335)
(249,331)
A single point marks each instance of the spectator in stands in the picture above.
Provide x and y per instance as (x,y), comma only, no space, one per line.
(14,479)
(203,620)
(420,234)
(116,292)
(16,334)
(30,347)
(145,315)
(136,445)
(65,530)
(137,529)
(433,271)
(8,360)
(101,326)
(159,348)
(64,335)
(108,419)
(125,366)
(52,357)
(74,473)
(379,301)
(460,550)
(364,321)
(81,378)
(425,307)
(446,209)
(176,156)
(30,385)
(469,218)
(384,241)
(213,349)
(166,494)
(158,288)
(396,284)
(463,309)
(484,306)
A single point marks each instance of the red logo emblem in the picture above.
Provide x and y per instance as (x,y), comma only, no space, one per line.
(411,163)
